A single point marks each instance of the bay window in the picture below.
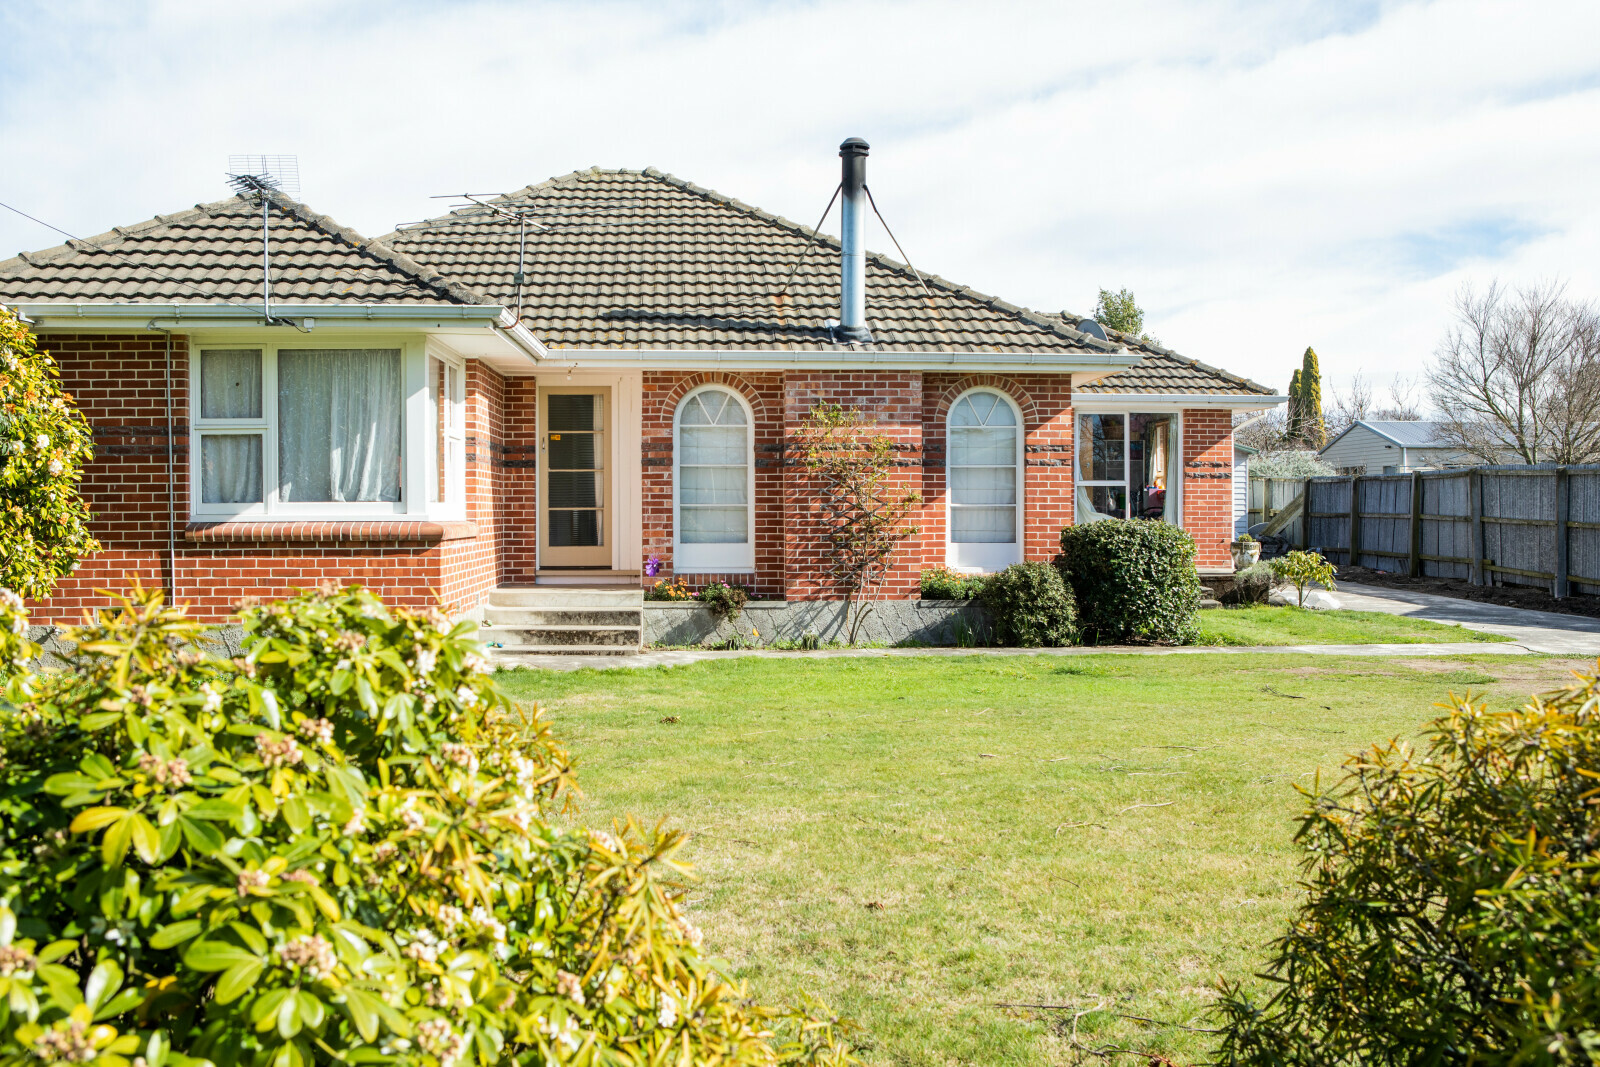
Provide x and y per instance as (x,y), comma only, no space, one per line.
(1129,465)
(291,431)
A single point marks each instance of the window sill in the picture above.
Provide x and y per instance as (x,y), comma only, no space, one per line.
(411,531)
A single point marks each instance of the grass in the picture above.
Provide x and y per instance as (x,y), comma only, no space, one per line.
(919,840)
(1263,625)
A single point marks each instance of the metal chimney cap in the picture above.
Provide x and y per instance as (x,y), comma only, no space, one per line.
(854,146)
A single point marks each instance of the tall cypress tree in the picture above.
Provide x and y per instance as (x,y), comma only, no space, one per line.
(1292,431)
(1311,426)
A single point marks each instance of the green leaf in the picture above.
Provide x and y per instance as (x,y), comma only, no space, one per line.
(8,925)
(217,956)
(95,818)
(66,784)
(250,936)
(103,981)
(265,1009)
(363,1016)
(296,812)
(289,1017)
(216,810)
(311,1009)
(99,720)
(174,934)
(124,1001)
(236,981)
(146,839)
(114,846)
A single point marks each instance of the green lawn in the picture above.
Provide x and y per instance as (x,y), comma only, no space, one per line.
(1265,625)
(921,839)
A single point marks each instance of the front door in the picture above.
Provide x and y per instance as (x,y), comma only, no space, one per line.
(574,480)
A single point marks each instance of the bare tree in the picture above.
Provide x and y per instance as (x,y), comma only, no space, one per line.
(1348,406)
(1518,377)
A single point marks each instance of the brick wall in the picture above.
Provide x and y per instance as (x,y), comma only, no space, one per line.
(470,567)
(1208,484)
(118,381)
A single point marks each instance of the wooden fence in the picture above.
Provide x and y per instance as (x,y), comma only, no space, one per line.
(1536,526)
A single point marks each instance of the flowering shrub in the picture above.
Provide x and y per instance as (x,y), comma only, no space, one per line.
(942,583)
(1451,901)
(725,601)
(665,590)
(44,443)
(337,847)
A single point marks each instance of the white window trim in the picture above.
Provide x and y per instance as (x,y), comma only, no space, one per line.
(715,558)
(454,505)
(986,557)
(415,451)
(1127,440)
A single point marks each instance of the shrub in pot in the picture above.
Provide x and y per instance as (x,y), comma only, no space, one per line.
(338,847)
(1134,580)
(1452,901)
(1029,606)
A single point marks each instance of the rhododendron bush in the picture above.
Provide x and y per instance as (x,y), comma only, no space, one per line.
(44,442)
(343,845)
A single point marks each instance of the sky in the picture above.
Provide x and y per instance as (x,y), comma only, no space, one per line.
(1263,175)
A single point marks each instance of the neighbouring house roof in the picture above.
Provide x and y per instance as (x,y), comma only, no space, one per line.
(641,259)
(211,254)
(1163,371)
(1405,434)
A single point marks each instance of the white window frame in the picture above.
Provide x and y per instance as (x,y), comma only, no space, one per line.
(415,453)
(985,557)
(454,435)
(1127,414)
(715,558)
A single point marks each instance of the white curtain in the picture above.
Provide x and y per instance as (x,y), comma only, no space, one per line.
(713,470)
(230,383)
(982,467)
(230,468)
(1169,510)
(1085,513)
(339,424)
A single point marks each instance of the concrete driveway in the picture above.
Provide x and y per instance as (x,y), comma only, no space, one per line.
(1539,631)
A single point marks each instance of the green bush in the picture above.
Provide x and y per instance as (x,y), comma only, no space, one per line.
(725,601)
(1251,586)
(44,443)
(1134,580)
(1303,570)
(942,583)
(1453,899)
(339,847)
(1029,606)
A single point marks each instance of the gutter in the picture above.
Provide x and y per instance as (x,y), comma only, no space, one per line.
(1193,399)
(848,357)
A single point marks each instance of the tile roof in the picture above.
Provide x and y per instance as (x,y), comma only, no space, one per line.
(211,254)
(641,259)
(1163,371)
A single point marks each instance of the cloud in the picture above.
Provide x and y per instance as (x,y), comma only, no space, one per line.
(1263,175)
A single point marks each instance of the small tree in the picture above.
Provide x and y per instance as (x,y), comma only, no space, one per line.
(44,443)
(863,515)
(1119,311)
(1303,570)
(1296,426)
(1310,423)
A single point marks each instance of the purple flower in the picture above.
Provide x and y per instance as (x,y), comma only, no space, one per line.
(652,566)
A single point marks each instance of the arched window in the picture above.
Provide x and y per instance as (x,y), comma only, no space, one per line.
(713,483)
(983,460)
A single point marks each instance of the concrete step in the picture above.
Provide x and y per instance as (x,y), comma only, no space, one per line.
(511,655)
(565,596)
(563,616)
(570,636)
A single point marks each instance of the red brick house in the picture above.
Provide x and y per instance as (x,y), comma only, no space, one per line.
(588,373)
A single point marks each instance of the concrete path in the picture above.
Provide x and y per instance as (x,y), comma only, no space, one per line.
(681,657)
(1537,631)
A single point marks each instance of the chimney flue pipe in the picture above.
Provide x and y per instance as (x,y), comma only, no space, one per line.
(852,261)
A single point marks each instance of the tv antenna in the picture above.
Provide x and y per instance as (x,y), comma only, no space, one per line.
(264,176)
(479,207)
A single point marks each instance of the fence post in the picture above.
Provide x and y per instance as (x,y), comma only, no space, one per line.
(1559,587)
(1355,521)
(1305,515)
(1475,514)
(1416,523)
